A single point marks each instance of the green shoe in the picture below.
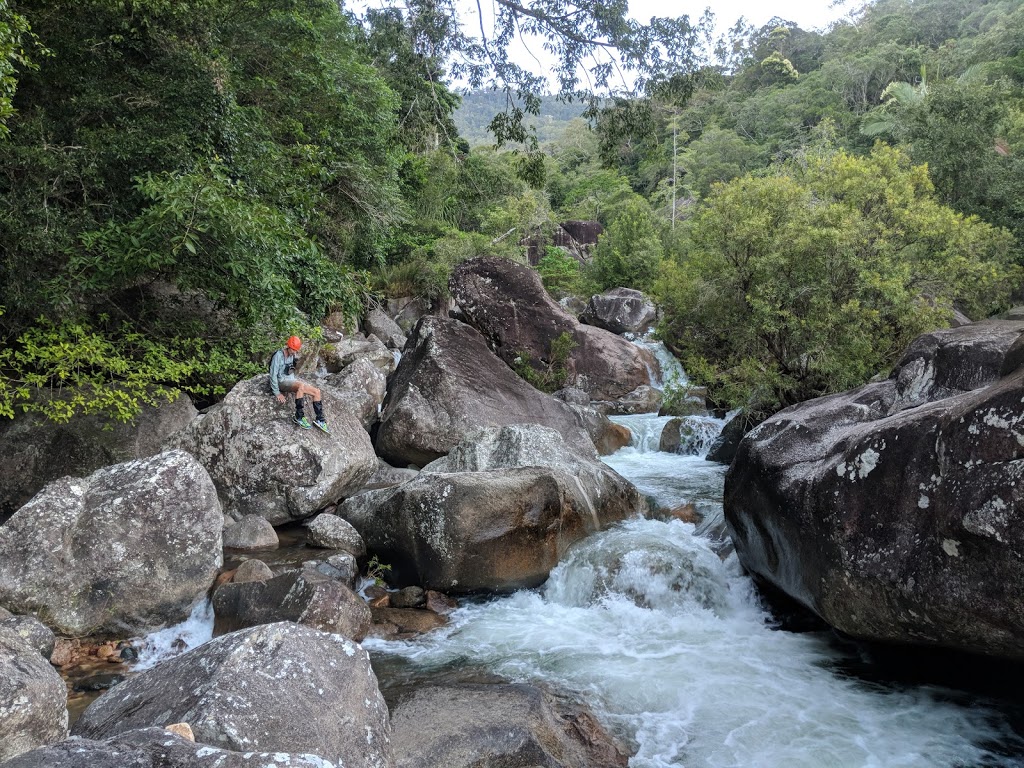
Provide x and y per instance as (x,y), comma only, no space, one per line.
(303,422)
(321,424)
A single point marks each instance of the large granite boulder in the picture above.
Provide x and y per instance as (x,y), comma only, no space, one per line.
(304,596)
(263,464)
(35,450)
(499,726)
(156,748)
(497,514)
(448,383)
(342,353)
(361,388)
(127,549)
(33,697)
(621,310)
(507,303)
(379,323)
(893,510)
(274,688)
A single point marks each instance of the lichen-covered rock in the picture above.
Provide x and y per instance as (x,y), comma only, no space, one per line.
(127,549)
(499,726)
(448,383)
(304,596)
(331,532)
(496,514)
(274,688)
(361,387)
(263,464)
(621,310)
(33,697)
(251,532)
(380,324)
(508,304)
(893,510)
(344,352)
(35,451)
(157,748)
(252,570)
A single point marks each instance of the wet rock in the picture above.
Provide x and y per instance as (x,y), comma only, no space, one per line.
(361,389)
(507,303)
(440,603)
(499,726)
(35,451)
(410,597)
(125,550)
(643,399)
(621,310)
(407,622)
(688,437)
(277,688)
(252,570)
(496,514)
(384,328)
(687,513)
(33,697)
(250,533)
(99,682)
(158,748)
(448,383)
(892,510)
(303,596)
(263,464)
(331,532)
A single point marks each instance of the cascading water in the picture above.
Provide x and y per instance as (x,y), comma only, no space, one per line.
(670,645)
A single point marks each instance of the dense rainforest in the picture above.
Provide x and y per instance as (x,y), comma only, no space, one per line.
(183,183)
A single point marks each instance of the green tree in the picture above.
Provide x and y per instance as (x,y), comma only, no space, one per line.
(811,280)
(630,252)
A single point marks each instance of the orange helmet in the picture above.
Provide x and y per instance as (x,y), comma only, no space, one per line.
(294,343)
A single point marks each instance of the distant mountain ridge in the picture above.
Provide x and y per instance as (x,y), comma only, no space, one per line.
(478,108)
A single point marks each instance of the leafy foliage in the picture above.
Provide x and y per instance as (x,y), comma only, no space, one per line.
(551,374)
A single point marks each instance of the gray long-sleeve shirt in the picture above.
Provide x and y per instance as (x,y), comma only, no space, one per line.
(282,366)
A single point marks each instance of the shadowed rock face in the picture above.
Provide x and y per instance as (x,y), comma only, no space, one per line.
(448,383)
(499,726)
(156,748)
(274,688)
(496,514)
(893,511)
(127,549)
(263,464)
(507,303)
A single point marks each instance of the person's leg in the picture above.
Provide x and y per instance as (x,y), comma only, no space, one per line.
(308,389)
(295,387)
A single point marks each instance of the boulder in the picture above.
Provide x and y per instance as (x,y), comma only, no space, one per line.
(249,533)
(156,748)
(35,451)
(340,354)
(892,510)
(263,464)
(406,311)
(341,567)
(387,476)
(723,448)
(31,632)
(127,549)
(499,726)
(689,437)
(396,623)
(252,570)
(274,688)
(380,324)
(361,387)
(33,697)
(496,514)
(331,532)
(621,310)
(507,303)
(643,399)
(304,596)
(448,383)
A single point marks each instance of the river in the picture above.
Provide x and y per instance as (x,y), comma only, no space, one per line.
(654,624)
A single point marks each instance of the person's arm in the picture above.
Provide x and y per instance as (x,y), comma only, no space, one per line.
(276,369)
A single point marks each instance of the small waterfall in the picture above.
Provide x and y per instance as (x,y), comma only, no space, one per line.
(171,641)
(696,433)
(672,373)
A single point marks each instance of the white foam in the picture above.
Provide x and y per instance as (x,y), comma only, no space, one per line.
(172,641)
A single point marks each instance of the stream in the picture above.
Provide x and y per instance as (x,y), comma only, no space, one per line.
(655,626)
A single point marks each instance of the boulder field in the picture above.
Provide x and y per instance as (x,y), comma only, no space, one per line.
(893,510)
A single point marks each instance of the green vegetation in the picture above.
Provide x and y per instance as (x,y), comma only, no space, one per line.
(185,183)
(550,374)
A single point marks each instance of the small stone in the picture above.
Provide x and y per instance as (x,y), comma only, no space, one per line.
(63,652)
(440,603)
(252,570)
(105,651)
(251,532)
(99,682)
(381,602)
(410,597)
(128,653)
(181,729)
(687,513)
(374,592)
(331,532)
(223,578)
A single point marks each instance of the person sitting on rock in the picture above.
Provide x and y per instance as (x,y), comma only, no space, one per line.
(282,380)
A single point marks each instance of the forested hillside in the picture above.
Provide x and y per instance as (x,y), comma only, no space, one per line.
(185,182)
